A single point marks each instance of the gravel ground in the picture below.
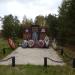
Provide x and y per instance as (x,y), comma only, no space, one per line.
(34,56)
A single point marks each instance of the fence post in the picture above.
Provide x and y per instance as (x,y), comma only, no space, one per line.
(73,63)
(62,51)
(45,61)
(13,61)
(4,51)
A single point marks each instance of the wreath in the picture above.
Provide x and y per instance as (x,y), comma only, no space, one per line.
(46,40)
(11,43)
(41,43)
(30,43)
(24,43)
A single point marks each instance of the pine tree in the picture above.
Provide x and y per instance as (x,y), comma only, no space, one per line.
(67,21)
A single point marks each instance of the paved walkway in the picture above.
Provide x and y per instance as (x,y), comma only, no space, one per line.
(33,56)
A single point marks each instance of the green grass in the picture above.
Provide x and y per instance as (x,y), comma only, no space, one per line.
(67,56)
(70,55)
(4,44)
(18,41)
(69,52)
(36,70)
(7,51)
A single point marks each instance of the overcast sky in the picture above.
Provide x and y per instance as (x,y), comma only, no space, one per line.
(30,8)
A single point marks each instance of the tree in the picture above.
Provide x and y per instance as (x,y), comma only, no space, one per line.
(16,27)
(26,22)
(52,21)
(40,20)
(11,26)
(66,21)
(8,26)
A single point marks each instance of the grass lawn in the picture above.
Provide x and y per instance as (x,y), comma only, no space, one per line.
(4,44)
(18,41)
(70,52)
(68,55)
(36,70)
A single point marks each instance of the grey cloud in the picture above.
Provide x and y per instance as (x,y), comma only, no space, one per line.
(27,6)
